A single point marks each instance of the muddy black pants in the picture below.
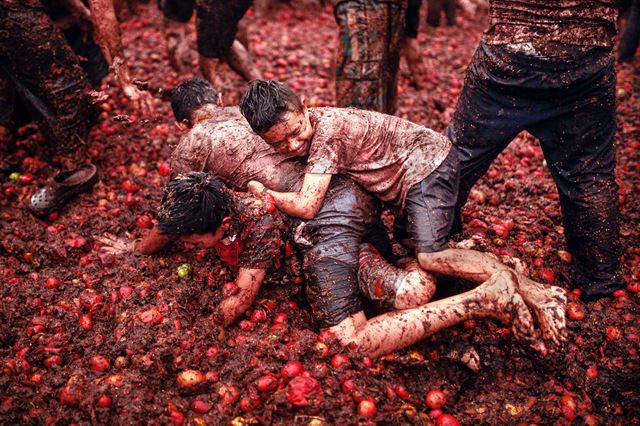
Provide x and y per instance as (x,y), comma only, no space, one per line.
(39,64)
(569,105)
(330,245)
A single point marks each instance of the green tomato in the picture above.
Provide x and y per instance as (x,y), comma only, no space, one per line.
(13,177)
(184,270)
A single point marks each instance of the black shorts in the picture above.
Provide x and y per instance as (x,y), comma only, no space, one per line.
(430,206)
(216,22)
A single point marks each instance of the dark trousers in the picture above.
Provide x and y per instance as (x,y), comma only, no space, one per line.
(412,18)
(569,105)
(216,22)
(370,35)
(348,216)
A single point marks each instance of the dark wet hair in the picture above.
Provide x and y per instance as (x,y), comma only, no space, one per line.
(265,102)
(190,95)
(193,203)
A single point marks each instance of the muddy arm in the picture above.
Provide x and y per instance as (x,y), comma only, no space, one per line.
(107,32)
(304,204)
(249,282)
(152,243)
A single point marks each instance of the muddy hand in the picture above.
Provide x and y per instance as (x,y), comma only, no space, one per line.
(549,305)
(141,99)
(114,245)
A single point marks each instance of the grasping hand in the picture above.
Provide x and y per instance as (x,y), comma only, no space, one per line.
(116,246)
(255,187)
(141,99)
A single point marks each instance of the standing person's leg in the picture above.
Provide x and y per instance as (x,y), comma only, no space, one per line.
(450,12)
(497,298)
(47,76)
(630,35)
(216,27)
(368,54)
(434,11)
(578,147)
(484,123)
(176,14)
(410,45)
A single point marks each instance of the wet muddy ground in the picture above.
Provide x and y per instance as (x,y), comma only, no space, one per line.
(89,338)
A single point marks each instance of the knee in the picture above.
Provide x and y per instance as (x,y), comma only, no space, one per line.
(416,289)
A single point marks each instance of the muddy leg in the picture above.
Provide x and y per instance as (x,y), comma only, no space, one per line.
(404,287)
(497,298)
(239,59)
(548,303)
(413,55)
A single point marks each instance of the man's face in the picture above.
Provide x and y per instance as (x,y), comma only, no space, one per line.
(204,241)
(292,136)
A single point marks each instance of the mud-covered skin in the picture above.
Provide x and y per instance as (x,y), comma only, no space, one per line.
(497,298)
(569,104)
(46,74)
(392,287)
(261,234)
(383,153)
(581,23)
(224,144)
(368,55)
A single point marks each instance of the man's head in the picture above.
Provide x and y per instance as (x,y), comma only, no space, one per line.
(191,95)
(195,208)
(276,114)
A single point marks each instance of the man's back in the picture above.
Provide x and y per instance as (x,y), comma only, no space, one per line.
(227,147)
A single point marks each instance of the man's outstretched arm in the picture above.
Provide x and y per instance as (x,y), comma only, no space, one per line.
(304,204)
(249,282)
(107,31)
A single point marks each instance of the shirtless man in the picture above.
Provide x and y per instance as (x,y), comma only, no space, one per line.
(408,166)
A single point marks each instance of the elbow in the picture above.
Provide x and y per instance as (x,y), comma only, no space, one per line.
(309,213)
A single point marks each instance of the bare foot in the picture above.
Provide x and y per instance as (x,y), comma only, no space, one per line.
(549,304)
(505,303)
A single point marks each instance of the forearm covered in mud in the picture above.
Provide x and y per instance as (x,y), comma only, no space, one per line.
(467,264)
(248,282)
(107,31)
(152,243)
(306,203)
